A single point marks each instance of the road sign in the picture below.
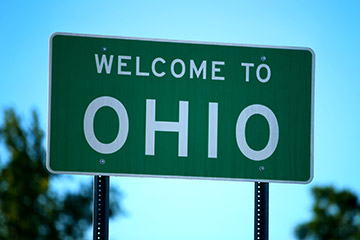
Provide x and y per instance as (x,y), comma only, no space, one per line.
(148,107)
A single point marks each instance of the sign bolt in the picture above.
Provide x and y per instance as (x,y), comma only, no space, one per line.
(263,58)
(262,168)
(104,49)
(102,161)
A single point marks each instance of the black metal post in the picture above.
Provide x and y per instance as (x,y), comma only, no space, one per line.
(101,208)
(261,228)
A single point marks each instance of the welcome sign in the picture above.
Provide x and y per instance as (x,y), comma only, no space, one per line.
(146,107)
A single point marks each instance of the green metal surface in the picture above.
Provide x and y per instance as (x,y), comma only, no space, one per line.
(75,83)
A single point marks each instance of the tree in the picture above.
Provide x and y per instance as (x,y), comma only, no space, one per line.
(29,207)
(336,215)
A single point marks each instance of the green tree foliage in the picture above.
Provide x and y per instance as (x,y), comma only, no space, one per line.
(29,208)
(336,216)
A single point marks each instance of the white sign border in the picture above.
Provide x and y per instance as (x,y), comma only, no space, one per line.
(186,42)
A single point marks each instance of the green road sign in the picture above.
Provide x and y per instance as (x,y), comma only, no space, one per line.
(146,107)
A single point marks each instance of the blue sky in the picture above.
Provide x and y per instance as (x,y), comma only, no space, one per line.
(199,209)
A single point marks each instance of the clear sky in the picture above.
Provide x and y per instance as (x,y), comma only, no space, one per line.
(164,209)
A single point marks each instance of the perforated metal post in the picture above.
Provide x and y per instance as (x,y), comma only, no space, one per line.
(101,208)
(261,228)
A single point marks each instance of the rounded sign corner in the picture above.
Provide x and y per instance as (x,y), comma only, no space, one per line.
(311,178)
(311,51)
(55,34)
(51,170)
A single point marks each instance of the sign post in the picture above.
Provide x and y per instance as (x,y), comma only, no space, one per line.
(261,213)
(101,208)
